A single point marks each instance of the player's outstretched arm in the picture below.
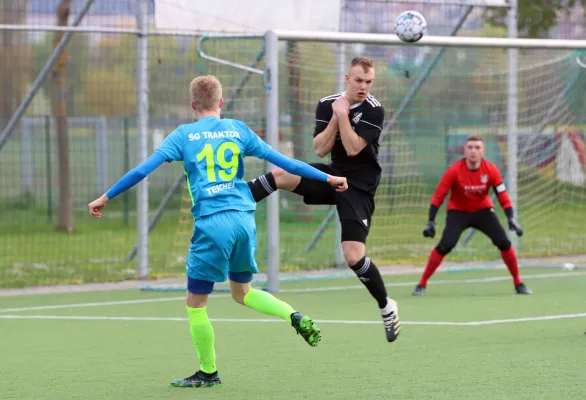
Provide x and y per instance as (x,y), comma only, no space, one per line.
(130,179)
(170,150)
(304,170)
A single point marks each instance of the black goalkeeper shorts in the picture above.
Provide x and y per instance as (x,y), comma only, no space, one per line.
(484,220)
(355,207)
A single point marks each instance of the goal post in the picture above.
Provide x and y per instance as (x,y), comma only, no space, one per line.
(479,85)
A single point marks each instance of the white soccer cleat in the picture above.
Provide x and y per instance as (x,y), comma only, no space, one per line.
(390,315)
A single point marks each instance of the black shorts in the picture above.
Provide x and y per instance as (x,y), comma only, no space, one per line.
(355,207)
(484,220)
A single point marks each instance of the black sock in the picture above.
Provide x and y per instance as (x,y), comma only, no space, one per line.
(369,275)
(262,186)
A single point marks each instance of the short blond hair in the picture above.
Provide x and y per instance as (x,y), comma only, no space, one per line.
(206,92)
(365,62)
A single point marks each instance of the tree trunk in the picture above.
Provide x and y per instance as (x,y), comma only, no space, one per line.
(14,58)
(296,110)
(59,101)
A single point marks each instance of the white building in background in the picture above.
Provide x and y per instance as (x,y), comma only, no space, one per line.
(248,16)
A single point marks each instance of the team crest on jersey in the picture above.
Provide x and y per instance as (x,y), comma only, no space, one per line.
(483,178)
(356,118)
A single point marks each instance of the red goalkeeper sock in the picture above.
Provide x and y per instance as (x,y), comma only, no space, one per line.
(434,260)
(510,259)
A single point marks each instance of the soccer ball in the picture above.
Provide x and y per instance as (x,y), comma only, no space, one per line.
(410,26)
(568,267)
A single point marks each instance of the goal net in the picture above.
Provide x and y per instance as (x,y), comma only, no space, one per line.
(461,91)
(465,93)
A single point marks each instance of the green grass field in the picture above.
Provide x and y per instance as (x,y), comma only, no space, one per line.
(470,337)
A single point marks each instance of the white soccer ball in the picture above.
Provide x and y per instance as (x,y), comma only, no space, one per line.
(568,267)
(410,26)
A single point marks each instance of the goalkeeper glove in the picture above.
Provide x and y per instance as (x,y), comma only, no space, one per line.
(514,226)
(429,230)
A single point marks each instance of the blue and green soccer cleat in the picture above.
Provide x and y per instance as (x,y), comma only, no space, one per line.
(306,328)
(197,380)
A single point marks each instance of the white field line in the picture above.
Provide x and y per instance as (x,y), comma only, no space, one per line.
(438,282)
(322,321)
(100,304)
(299,290)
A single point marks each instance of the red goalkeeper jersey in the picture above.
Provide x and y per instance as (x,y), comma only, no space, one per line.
(470,188)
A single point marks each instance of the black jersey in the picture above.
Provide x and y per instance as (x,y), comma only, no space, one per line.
(363,170)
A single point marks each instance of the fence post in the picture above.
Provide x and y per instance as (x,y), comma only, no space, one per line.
(512,145)
(101,155)
(126,167)
(48,168)
(142,116)
(272,138)
(26,156)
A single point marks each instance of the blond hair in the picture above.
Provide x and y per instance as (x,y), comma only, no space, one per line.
(206,92)
(365,62)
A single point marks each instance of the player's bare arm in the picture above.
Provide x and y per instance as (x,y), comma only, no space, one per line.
(353,144)
(324,141)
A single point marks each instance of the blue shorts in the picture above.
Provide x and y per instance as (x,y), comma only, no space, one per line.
(223,244)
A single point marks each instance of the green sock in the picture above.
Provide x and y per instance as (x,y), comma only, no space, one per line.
(268,304)
(202,334)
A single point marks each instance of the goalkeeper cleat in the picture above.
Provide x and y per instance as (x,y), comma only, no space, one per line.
(391,320)
(418,291)
(306,328)
(199,379)
(522,289)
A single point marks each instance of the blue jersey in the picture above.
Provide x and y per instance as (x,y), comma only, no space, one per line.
(213,151)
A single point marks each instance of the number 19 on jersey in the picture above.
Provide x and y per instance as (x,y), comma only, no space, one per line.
(228,168)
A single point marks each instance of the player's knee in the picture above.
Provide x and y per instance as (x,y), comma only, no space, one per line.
(285,180)
(194,300)
(445,247)
(238,292)
(238,297)
(502,244)
(353,259)
(240,285)
(353,256)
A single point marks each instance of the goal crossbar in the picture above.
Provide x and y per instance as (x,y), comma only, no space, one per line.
(438,41)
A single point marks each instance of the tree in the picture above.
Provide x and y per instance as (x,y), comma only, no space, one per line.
(107,91)
(536,17)
(107,82)
(14,57)
(58,103)
(78,64)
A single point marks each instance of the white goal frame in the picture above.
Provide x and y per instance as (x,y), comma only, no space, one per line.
(271,76)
